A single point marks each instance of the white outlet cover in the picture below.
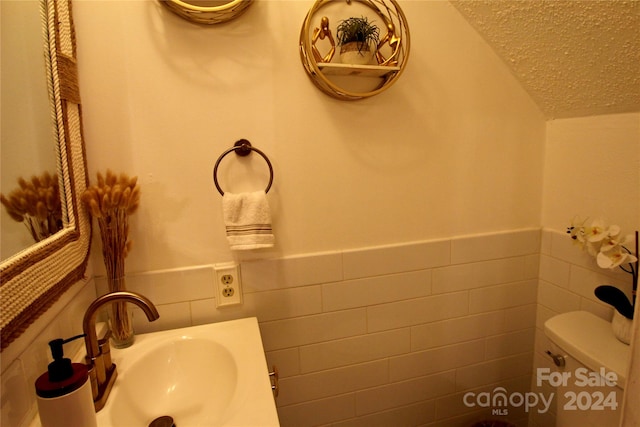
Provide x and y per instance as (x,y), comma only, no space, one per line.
(221,270)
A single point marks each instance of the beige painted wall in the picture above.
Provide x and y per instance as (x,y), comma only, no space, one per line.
(592,169)
(455,147)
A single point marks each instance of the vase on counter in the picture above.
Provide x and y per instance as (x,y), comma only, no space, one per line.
(120,317)
(621,327)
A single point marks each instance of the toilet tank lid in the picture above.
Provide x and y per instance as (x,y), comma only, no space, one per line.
(590,340)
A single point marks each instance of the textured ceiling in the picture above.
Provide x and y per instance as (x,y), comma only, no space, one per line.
(575,58)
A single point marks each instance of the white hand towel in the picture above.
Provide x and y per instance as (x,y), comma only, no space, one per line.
(248,220)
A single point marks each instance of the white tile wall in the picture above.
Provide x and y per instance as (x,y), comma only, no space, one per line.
(417,311)
(349,351)
(384,335)
(375,290)
(391,335)
(400,393)
(451,410)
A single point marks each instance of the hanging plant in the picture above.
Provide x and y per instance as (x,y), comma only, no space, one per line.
(355,38)
(358,30)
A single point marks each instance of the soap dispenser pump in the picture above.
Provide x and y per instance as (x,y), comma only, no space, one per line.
(64,391)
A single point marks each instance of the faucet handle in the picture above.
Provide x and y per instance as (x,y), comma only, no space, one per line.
(105,350)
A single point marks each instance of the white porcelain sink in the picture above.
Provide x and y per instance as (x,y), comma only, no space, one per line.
(208,375)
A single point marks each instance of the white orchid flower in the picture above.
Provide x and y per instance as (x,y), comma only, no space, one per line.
(613,240)
(596,232)
(614,231)
(614,257)
(576,231)
(603,242)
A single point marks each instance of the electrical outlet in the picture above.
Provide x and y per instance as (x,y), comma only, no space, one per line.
(228,284)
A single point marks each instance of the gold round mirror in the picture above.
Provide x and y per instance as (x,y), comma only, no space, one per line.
(207,11)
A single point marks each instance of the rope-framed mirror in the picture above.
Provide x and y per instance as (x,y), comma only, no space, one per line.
(207,11)
(320,31)
(33,279)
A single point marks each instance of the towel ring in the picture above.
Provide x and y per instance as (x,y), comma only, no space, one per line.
(242,148)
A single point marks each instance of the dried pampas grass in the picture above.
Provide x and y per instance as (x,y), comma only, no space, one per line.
(111,201)
(37,204)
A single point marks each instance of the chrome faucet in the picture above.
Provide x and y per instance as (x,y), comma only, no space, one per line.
(101,371)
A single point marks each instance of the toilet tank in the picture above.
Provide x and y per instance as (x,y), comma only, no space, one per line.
(590,340)
(591,370)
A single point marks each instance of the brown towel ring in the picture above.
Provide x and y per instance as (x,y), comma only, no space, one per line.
(242,148)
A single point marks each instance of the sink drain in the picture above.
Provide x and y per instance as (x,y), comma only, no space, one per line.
(164,421)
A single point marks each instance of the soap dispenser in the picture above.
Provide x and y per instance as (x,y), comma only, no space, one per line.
(64,391)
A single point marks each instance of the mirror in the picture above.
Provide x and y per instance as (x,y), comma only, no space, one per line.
(34,278)
(207,11)
(27,139)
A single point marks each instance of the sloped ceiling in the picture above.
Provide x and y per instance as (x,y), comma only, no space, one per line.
(574,57)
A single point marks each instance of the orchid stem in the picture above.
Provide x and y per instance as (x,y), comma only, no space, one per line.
(634,273)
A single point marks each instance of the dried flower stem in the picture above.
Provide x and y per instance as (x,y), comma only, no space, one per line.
(114,248)
(36,204)
(636,273)
(111,202)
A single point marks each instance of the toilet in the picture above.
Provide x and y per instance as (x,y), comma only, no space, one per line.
(590,370)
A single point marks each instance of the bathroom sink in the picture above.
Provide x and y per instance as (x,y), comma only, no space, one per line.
(208,375)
